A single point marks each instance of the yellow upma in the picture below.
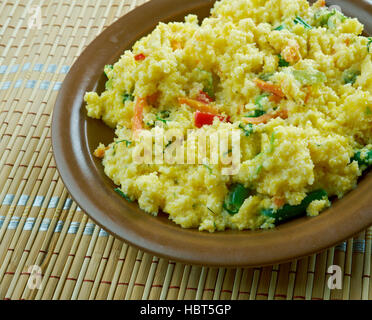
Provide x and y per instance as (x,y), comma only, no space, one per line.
(294,79)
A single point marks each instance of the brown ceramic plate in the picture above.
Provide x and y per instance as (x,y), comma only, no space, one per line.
(75,136)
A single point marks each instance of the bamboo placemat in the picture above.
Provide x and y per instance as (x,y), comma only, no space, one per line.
(48,243)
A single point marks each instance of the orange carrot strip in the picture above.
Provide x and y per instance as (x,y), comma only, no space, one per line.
(267,117)
(279,202)
(308,94)
(153,99)
(275,99)
(197,105)
(100,152)
(291,53)
(138,114)
(320,3)
(269,87)
(176,45)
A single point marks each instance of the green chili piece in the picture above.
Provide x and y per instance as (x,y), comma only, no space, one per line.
(235,198)
(288,212)
(364,158)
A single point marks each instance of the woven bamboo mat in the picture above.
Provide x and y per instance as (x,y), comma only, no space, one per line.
(49,248)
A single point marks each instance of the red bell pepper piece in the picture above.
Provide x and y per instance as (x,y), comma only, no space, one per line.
(205,118)
(204,97)
(139,57)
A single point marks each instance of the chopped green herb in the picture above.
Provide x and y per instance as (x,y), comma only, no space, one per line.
(255,114)
(350,76)
(162,120)
(368,111)
(341,16)
(206,78)
(211,210)
(117,190)
(259,169)
(248,129)
(258,100)
(235,198)
(321,17)
(163,115)
(369,44)
(301,21)
(282,61)
(127,97)
(107,66)
(281,27)
(127,142)
(108,84)
(209,168)
(309,78)
(272,142)
(266,76)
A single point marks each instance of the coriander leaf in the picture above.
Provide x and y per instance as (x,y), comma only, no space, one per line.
(350,76)
(282,61)
(248,129)
(127,97)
